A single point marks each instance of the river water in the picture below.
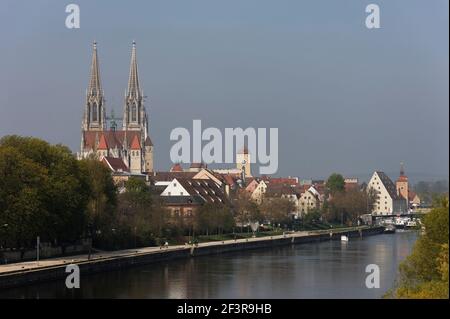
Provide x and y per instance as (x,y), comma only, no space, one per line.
(330,269)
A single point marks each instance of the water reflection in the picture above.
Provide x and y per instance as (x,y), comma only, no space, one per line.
(318,270)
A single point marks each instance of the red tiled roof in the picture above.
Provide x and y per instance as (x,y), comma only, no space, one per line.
(113,138)
(176,168)
(102,145)
(280,180)
(115,164)
(135,143)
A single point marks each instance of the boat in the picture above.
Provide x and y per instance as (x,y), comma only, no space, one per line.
(411,224)
(344,238)
(389,229)
(400,223)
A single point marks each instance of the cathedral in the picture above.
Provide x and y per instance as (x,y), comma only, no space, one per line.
(130,147)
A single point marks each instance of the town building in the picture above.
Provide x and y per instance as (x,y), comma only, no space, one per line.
(388,200)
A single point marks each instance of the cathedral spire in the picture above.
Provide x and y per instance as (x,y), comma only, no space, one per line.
(133,79)
(134,114)
(94,112)
(94,82)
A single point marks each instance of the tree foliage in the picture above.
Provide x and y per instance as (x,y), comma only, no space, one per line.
(335,183)
(43,192)
(424,274)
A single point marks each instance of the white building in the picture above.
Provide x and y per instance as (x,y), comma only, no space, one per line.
(388,201)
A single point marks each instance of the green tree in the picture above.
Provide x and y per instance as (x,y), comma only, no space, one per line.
(335,183)
(424,274)
(102,200)
(43,193)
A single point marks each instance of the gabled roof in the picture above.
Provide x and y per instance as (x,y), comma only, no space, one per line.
(115,164)
(388,184)
(114,138)
(135,143)
(205,190)
(102,144)
(277,190)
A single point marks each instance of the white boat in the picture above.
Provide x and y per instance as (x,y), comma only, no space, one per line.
(400,222)
(411,224)
(344,238)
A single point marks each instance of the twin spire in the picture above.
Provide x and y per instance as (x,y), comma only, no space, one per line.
(133,79)
(134,111)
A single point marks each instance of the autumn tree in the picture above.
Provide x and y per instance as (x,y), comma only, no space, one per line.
(424,273)
(246,210)
(277,210)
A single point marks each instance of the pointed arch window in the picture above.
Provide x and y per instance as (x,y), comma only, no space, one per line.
(94,112)
(133,112)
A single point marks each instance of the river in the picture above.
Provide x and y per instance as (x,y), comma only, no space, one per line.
(330,269)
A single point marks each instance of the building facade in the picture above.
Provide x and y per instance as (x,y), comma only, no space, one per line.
(388,201)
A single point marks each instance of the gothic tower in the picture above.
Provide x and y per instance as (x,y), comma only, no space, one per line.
(94,118)
(134,114)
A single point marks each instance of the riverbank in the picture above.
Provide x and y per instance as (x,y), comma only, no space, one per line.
(52,269)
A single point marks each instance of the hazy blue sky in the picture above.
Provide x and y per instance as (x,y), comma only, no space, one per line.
(344,98)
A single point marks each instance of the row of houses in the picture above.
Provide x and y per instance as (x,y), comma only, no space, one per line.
(184,190)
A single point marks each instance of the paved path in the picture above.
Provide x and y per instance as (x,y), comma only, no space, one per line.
(52,262)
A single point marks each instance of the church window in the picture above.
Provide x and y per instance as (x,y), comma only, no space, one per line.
(133,112)
(94,113)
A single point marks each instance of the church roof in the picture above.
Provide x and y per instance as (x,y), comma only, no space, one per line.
(113,138)
(102,144)
(148,141)
(115,164)
(135,143)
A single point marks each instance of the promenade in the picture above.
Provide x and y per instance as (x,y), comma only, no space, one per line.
(77,259)
(29,272)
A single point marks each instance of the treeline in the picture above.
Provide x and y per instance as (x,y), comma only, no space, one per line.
(428,191)
(46,192)
(424,273)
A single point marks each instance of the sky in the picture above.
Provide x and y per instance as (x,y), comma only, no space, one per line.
(344,98)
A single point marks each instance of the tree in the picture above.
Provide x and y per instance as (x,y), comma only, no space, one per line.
(246,210)
(335,183)
(140,214)
(43,191)
(424,273)
(277,210)
(346,207)
(102,194)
